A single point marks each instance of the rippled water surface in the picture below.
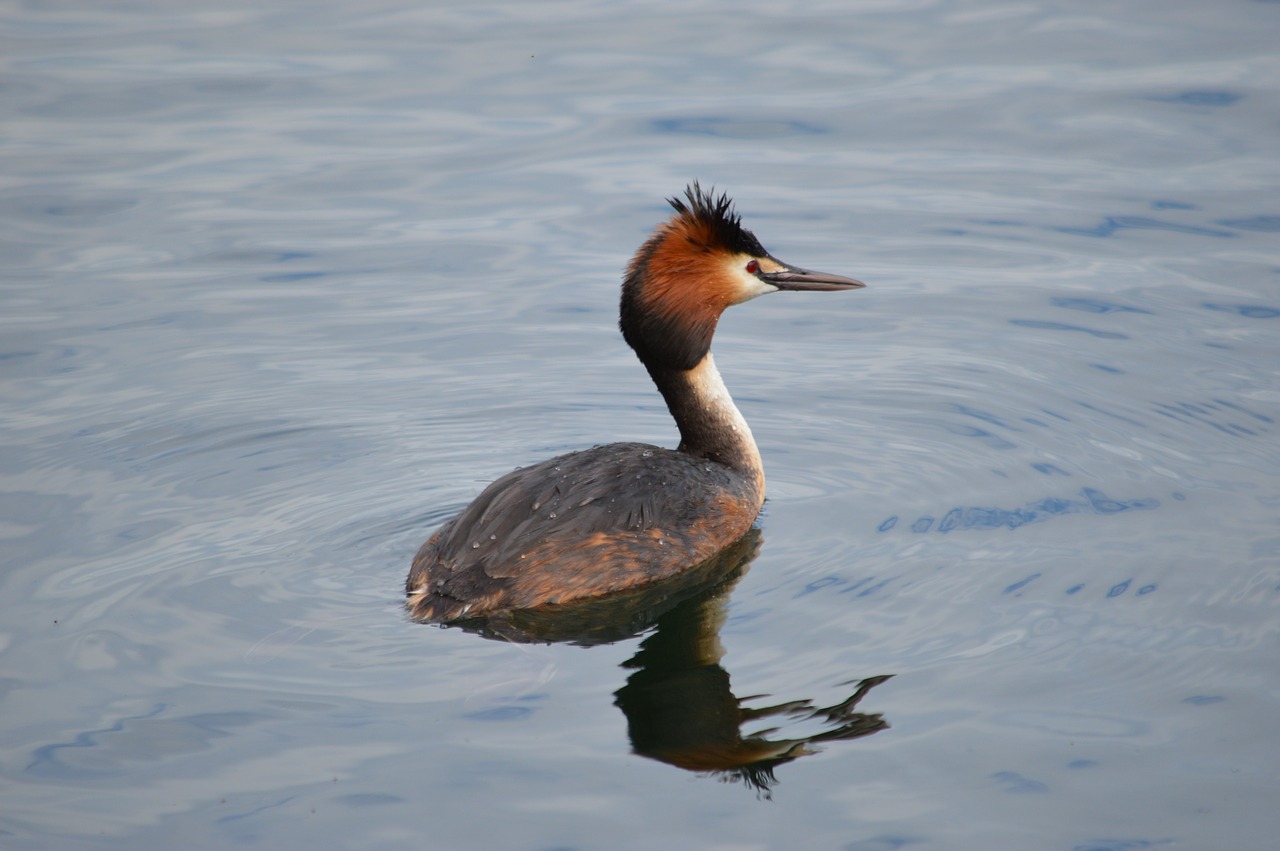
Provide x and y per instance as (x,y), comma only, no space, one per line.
(285,284)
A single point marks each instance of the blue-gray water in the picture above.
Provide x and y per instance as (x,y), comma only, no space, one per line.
(285,284)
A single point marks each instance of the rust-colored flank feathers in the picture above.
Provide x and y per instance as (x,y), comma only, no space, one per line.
(623,516)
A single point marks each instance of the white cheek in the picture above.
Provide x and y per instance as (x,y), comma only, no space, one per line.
(749,286)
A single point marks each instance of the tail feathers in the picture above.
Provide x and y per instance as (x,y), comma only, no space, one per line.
(424,605)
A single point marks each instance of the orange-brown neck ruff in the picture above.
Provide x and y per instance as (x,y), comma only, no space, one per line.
(672,297)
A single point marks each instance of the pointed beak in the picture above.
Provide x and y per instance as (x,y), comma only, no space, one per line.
(795,278)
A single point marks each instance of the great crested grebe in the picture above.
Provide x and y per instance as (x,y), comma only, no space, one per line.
(618,517)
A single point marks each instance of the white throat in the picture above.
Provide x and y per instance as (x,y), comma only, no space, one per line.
(712,399)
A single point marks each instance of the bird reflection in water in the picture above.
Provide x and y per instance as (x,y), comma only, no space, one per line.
(679,705)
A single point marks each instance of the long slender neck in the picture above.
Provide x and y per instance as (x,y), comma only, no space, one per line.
(710,424)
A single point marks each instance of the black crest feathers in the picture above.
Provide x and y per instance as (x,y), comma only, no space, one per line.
(720,219)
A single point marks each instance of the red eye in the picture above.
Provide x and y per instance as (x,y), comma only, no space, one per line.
(753,266)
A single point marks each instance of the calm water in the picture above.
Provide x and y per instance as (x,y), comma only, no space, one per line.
(285,284)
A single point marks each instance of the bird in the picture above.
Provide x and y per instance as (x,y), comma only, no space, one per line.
(622,516)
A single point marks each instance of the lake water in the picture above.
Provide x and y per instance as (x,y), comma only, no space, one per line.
(286,284)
